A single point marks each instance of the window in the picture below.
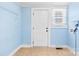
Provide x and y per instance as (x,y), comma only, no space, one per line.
(59,17)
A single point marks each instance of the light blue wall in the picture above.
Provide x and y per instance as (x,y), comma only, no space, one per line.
(78,39)
(10,27)
(59,36)
(26,25)
(73,11)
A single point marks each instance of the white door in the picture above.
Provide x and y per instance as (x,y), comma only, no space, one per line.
(40,27)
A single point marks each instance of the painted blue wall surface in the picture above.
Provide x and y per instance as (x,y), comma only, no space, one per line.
(26,25)
(10,27)
(73,11)
(59,36)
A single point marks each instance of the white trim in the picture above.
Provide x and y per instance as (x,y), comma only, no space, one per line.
(28,46)
(49,26)
(77,53)
(71,50)
(45,4)
(14,51)
(31,26)
(62,46)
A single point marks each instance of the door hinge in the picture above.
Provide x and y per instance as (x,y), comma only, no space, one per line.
(32,42)
(33,28)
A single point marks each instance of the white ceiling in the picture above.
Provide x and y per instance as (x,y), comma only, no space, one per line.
(43,4)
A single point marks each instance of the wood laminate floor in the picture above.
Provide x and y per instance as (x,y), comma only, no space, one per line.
(43,51)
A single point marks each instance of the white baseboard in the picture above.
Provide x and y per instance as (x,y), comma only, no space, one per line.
(26,46)
(62,46)
(19,48)
(71,50)
(13,52)
(78,53)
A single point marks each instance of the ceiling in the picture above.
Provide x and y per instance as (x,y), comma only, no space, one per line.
(43,4)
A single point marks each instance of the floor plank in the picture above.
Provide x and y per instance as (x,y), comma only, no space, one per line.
(43,51)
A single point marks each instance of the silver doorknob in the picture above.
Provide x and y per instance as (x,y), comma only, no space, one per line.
(46,29)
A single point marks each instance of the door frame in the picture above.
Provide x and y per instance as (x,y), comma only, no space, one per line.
(49,25)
